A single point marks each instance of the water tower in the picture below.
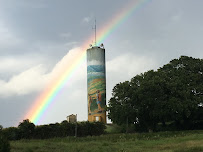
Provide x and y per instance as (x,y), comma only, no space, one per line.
(96,83)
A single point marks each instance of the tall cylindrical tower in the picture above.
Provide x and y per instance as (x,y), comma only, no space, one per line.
(96,84)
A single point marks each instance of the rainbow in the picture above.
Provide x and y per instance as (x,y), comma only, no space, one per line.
(45,99)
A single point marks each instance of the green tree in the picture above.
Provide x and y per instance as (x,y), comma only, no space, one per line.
(26,129)
(173,93)
(185,82)
(150,99)
(121,107)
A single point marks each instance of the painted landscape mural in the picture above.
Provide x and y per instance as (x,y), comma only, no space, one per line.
(96,81)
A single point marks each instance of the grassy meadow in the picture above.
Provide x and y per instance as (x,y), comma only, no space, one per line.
(182,141)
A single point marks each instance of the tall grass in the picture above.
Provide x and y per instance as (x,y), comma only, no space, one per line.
(185,141)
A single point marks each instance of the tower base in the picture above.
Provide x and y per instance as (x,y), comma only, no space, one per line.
(97,117)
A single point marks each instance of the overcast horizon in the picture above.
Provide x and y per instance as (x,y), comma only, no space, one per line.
(37,38)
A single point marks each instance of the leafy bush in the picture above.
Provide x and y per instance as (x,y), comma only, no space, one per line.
(12,133)
(4,144)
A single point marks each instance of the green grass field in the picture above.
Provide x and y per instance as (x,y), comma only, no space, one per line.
(183,141)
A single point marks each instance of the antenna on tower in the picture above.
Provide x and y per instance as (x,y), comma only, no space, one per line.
(95,32)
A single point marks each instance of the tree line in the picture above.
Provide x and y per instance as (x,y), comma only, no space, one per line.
(27,130)
(170,98)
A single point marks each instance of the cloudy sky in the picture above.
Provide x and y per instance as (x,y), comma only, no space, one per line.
(39,37)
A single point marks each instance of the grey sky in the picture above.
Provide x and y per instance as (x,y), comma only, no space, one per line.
(37,37)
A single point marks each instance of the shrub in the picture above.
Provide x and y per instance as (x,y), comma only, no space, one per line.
(12,133)
(4,144)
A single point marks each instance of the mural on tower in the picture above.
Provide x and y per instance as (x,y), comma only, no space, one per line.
(96,80)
